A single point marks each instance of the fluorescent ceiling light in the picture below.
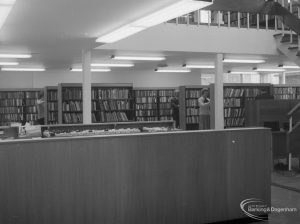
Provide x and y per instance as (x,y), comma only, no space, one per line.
(8,63)
(92,70)
(244,72)
(160,16)
(139,58)
(24,69)
(198,66)
(15,55)
(288,66)
(5,8)
(172,70)
(112,65)
(253,61)
(269,69)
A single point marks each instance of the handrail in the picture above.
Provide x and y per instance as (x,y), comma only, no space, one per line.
(294,110)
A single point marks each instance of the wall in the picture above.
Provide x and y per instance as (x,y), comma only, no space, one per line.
(193,38)
(138,78)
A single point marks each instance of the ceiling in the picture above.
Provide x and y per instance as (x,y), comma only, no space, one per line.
(55,31)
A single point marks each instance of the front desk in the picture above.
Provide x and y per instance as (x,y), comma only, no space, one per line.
(153,178)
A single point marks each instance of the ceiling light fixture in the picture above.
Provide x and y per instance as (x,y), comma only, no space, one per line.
(112,65)
(165,14)
(5,8)
(92,70)
(15,55)
(139,58)
(289,66)
(269,69)
(250,61)
(244,72)
(24,69)
(197,66)
(172,70)
(8,63)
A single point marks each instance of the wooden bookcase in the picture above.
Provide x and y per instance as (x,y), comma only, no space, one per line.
(110,103)
(235,96)
(153,104)
(189,107)
(51,104)
(286,92)
(18,105)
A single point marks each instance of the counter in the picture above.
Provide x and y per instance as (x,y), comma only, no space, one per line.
(150,178)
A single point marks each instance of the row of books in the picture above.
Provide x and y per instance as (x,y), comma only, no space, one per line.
(165,118)
(109,117)
(32,94)
(147,106)
(146,93)
(30,102)
(114,93)
(165,113)
(242,92)
(72,93)
(286,97)
(234,122)
(192,103)
(11,117)
(52,95)
(231,112)
(146,100)
(11,110)
(72,106)
(31,109)
(72,118)
(144,113)
(11,95)
(232,102)
(192,119)
(109,105)
(52,106)
(11,103)
(52,116)
(166,93)
(286,90)
(31,117)
(193,93)
(165,99)
(192,111)
(163,106)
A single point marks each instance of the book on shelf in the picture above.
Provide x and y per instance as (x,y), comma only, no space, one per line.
(192,119)
(234,122)
(72,93)
(52,95)
(232,102)
(11,102)
(72,118)
(234,112)
(110,93)
(32,94)
(70,106)
(147,118)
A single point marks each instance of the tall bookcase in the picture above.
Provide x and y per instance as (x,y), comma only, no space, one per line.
(189,107)
(109,103)
(112,103)
(18,105)
(286,92)
(235,96)
(51,104)
(153,104)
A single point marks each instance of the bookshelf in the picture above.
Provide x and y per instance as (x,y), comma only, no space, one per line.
(235,96)
(189,107)
(112,103)
(18,105)
(51,103)
(153,104)
(70,103)
(286,92)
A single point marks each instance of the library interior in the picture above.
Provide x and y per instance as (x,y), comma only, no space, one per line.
(157,112)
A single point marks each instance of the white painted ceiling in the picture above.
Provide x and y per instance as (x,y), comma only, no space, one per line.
(55,31)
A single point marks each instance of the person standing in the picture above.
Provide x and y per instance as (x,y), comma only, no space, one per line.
(204,110)
(175,110)
(41,108)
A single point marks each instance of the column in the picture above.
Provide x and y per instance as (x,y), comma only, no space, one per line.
(86,86)
(218,94)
